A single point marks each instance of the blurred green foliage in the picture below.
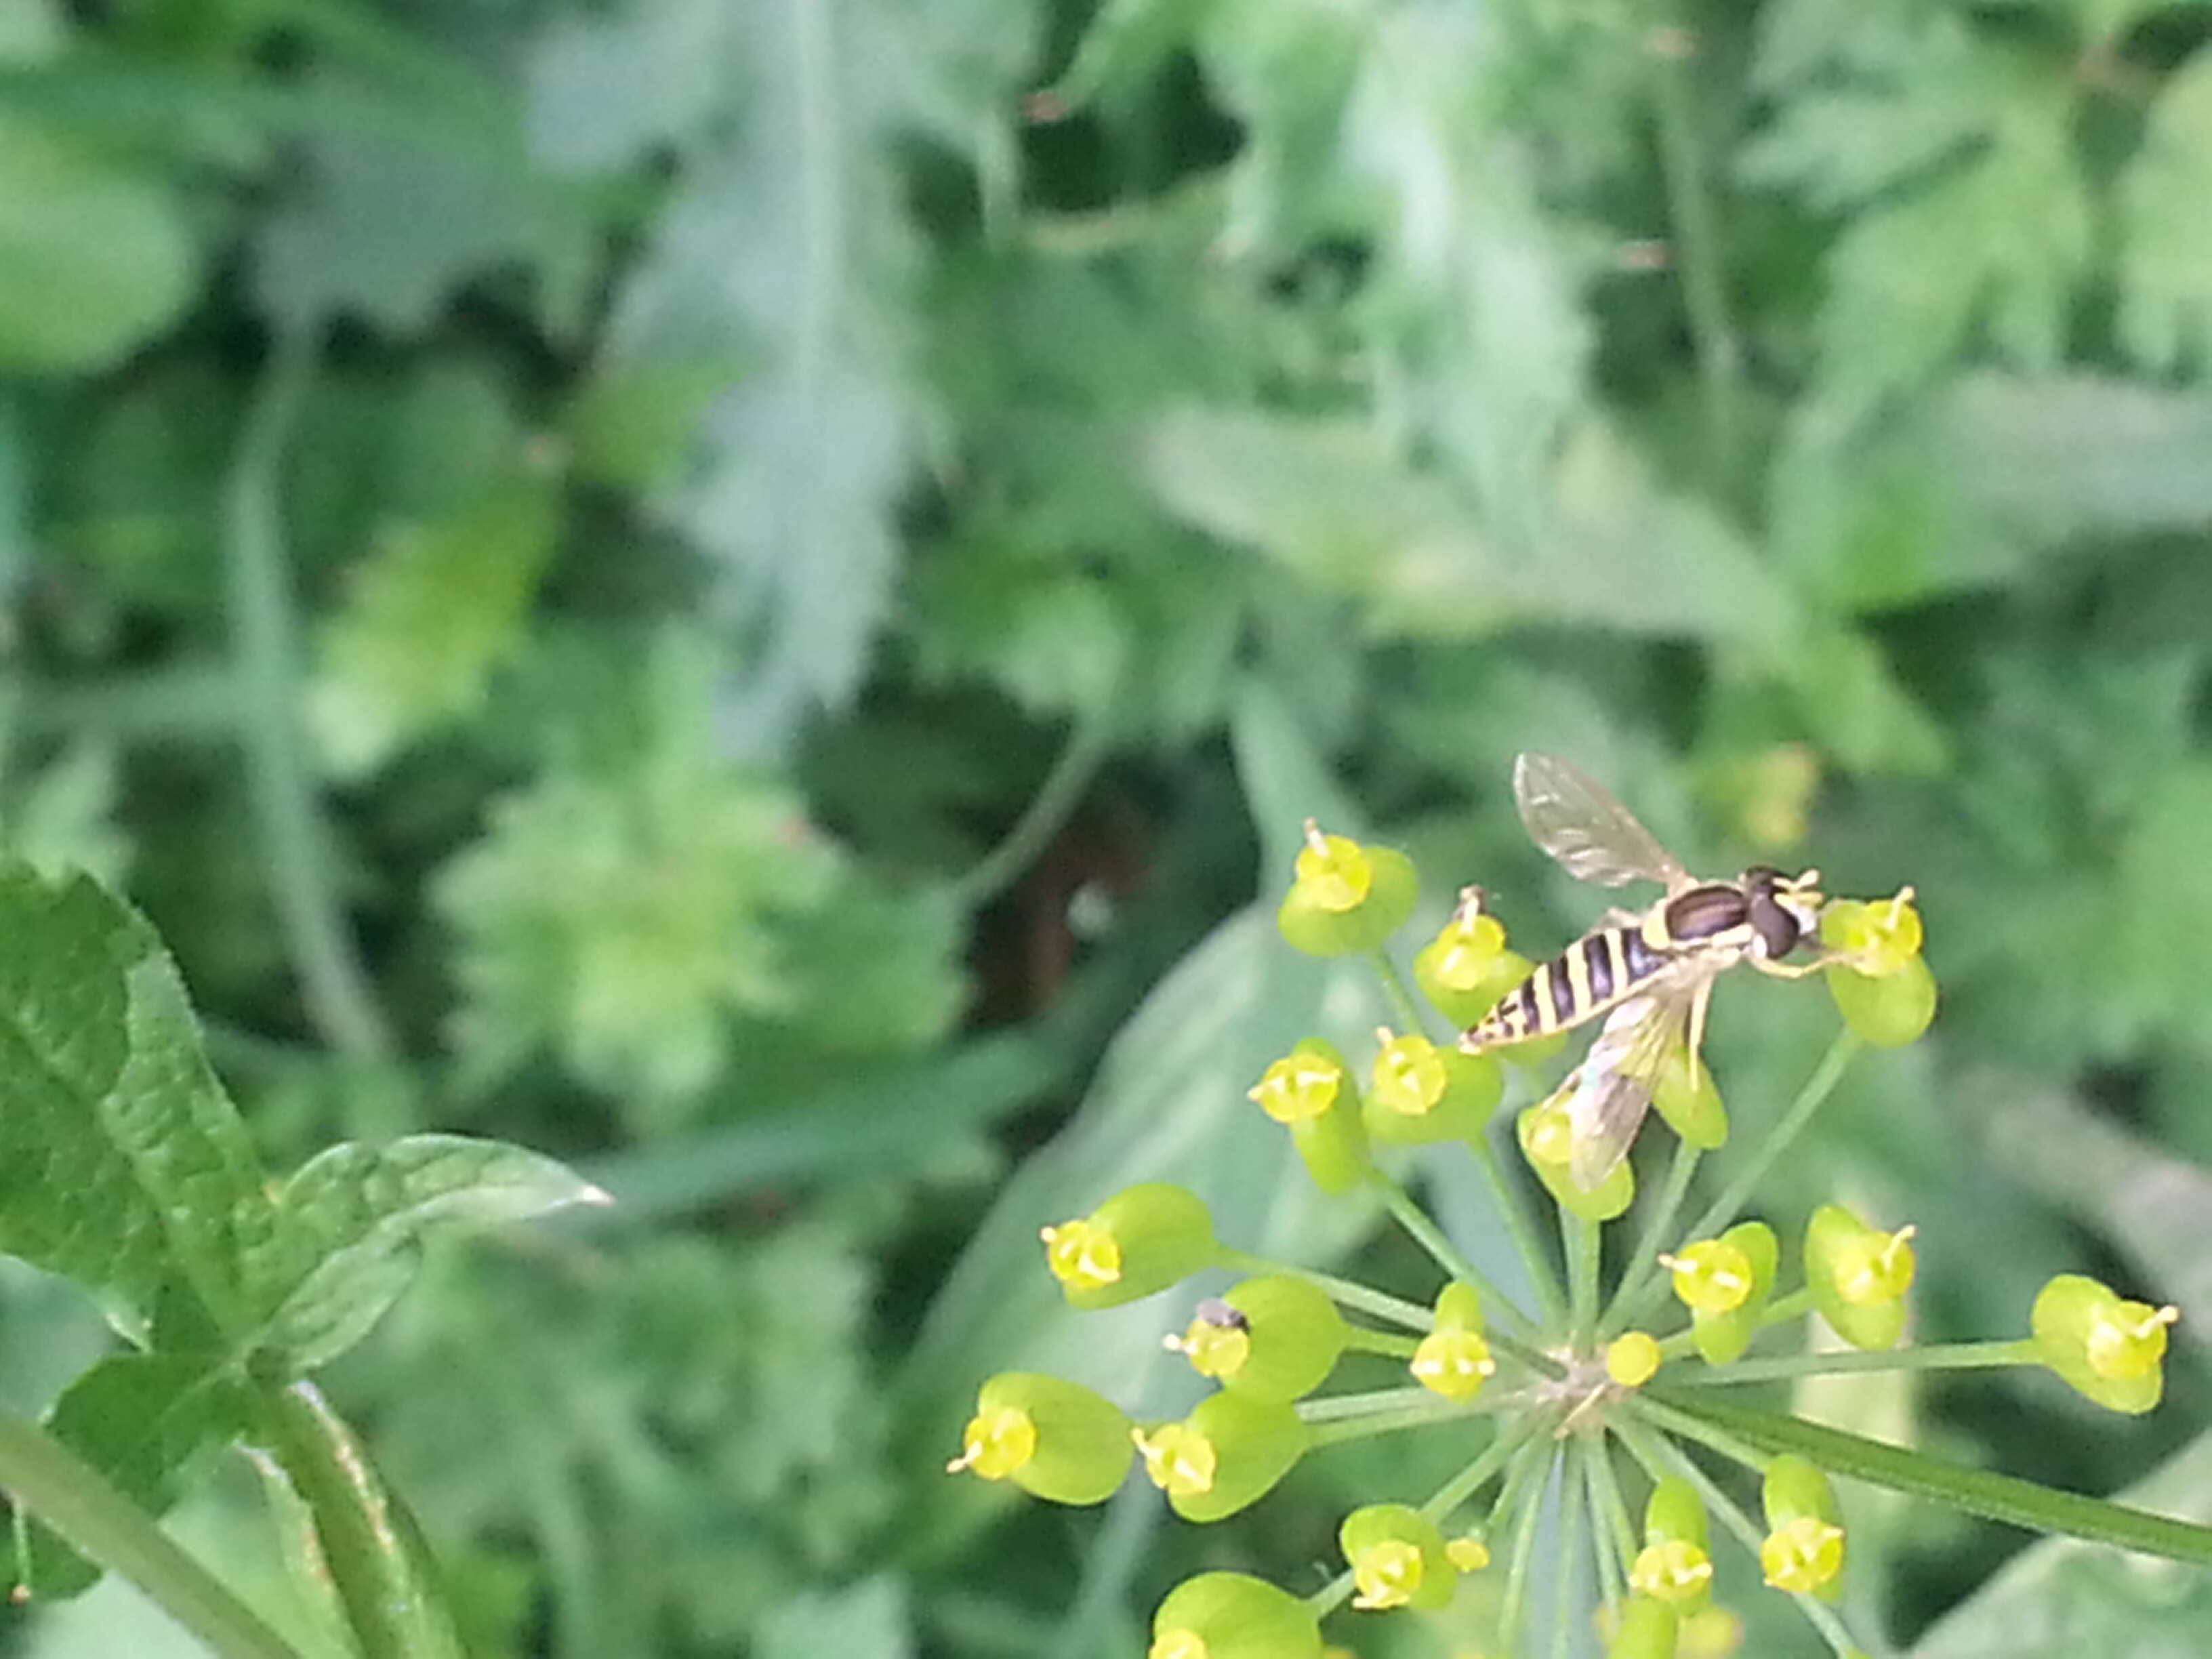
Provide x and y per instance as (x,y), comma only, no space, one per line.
(664,578)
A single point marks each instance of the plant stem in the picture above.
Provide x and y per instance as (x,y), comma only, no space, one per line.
(1653,1451)
(1362,1339)
(1723,1209)
(45,1478)
(1575,1509)
(265,630)
(1697,237)
(1539,1266)
(1350,1292)
(1430,1236)
(1393,986)
(1073,768)
(1642,1260)
(1335,1428)
(1948,1356)
(1604,1482)
(1472,1478)
(1579,1238)
(373,1557)
(1532,1474)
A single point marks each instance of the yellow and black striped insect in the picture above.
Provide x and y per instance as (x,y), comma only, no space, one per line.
(1650,975)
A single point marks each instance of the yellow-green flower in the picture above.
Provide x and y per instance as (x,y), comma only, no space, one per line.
(2109,1348)
(1881,986)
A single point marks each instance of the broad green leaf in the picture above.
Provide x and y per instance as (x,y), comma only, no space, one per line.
(2165,251)
(430,614)
(138,1418)
(867,1620)
(109,1111)
(1333,502)
(606,87)
(2052,458)
(95,259)
(2062,1598)
(356,1219)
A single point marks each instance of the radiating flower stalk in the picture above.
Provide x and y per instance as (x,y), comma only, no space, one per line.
(1597,1391)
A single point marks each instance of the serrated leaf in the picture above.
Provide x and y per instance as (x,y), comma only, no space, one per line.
(356,1219)
(138,1418)
(94,258)
(109,1111)
(428,618)
(386,229)
(2165,249)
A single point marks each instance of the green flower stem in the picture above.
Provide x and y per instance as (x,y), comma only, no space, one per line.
(1659,1455)
(48,1480)
(1375,1402)
(1783,1308)
(1978,1492)
(1695,1427)
(1605,1488)
(1351,1293)
(1532,1472)
(1644,1259)
(1517,1227)
(1942,1357)
(1723,1209)
(367,1540)
(1334,1430)
(1331,1596)
(1431,1237)
(1574,1508)
(1041,820)
(265,627)
(1472,1478)
(1389,1343)
(1578,1238)
(1393,986)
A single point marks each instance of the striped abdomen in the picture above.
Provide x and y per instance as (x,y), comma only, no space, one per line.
(1594,975)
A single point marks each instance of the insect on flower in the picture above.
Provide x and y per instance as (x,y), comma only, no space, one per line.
(1650,976)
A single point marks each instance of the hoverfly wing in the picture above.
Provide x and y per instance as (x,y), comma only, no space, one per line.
(1592,836)
(1618,1077)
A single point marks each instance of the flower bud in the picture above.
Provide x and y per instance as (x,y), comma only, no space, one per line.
(1725,1283)
(1274,1338)
(1803,1550)
(1421,1093)
(1054,1439)
(1453,1360)
(1632,1358)
(1858,1276)
(1141,1240)
(1676,1564)
(1345,898)
(1227,1453)
(2109,1349)
(1647,1631)
(1465,967)
(1881,985)
(1231,1615)
(1310,1091)
(1398,1557)
(1546,1135)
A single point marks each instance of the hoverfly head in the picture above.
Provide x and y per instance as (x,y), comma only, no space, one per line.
(1785,910)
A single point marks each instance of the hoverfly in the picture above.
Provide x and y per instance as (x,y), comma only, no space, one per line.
(1650,975)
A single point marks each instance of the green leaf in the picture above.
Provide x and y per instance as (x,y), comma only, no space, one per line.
(867,1620)
(109,1113)
(430,615)
(138,1418)
(2052,458)
(2060,1598)
(2165,251)
(357,1218)
(94,259)
(1978,1492)
(387,230)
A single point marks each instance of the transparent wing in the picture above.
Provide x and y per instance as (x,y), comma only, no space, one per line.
(1572,816)
(1618,1075)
